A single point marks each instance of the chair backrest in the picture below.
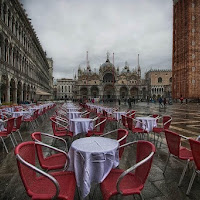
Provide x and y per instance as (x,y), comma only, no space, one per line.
(10,124)
(120,134)
(36,136)
(53,124)
(155,116)
(173,142)
(18,122)
(195,148)
(26,151)
(102,126)
(123,120)
(166,122)
(130,122)
(144,149)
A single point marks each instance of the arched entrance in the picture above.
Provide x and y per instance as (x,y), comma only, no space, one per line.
(123,93)
(94,92)
(13,95)
(83,93)
(134,92)
(109,93)
(19,92)
(4,86)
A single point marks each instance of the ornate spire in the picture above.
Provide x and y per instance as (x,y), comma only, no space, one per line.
(108,54)
(139,69)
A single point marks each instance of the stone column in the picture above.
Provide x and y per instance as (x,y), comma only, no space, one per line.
(7,98)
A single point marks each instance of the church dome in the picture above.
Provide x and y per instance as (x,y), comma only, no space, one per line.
(107,65)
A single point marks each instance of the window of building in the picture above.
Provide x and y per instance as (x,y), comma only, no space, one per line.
(170,80)
(159,80)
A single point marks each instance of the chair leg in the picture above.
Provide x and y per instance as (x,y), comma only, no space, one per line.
(12,140)
(183,173)
(191,182)
(20,135)
(141,197)
(166,164)
(4,145)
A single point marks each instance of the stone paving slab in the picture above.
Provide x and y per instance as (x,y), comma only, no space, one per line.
(158,186)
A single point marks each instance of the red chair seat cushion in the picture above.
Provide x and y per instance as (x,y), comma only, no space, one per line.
(129,185)
(93,132)
(55,161)
(66,180)
(28,119)
(3,133)
(15,129)
(138,130)
(158,130)
(185,154)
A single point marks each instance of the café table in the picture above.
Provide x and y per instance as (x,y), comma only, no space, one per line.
(80,125)
(25,114)
(72,115)
(92,158)
(2,123)
(148,123)
(118,115)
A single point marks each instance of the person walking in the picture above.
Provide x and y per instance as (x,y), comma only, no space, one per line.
(165,102)
(129,102)
(181,99)
(160,101)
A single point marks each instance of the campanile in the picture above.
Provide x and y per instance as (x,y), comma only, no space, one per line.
(186,49)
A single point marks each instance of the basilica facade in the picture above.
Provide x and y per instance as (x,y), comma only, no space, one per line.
(109,83)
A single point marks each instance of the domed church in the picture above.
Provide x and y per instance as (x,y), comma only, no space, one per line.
(109,83)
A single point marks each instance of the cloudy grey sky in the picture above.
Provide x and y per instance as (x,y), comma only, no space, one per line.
(69,28)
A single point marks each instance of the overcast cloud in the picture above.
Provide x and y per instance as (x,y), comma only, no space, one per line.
(69,28)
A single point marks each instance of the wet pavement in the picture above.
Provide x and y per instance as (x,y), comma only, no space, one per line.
(185,121)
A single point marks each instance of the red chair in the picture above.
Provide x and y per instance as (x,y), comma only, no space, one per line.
(16,128)
(195,148)
(124,121)
(60,130)
(175,148)
(98,128)
(57,185)
(120,182)
(121,138)
(59,160)
(158,130)
(137,131)
(7,132)
(31,119)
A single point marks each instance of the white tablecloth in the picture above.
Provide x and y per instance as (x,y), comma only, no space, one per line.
(1,125)
(118,114)
(80,125)
(148,123)
(73,109)
(25,114)
(91,159)
(73,115)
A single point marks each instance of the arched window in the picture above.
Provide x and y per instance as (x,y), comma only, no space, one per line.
(170,80)
(159,80)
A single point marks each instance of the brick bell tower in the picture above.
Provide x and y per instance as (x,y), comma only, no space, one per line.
(186,49)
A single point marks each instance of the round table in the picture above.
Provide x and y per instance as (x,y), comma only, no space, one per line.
(91,159)
(80,125)
(148,123)
(118,114)
(25,114)
(73,115)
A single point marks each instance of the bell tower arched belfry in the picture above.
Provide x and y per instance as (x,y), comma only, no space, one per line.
(186,49)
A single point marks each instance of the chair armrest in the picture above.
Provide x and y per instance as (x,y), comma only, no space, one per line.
(66,127)
(51,178)
(62,119)
(109,133)
(100,123)
(132,169)
(167,121)
(58,150)
(56,137)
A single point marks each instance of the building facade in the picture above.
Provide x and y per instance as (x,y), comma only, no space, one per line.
(24,68)
(65,88)
(109,83)
(159,83)
(186,49)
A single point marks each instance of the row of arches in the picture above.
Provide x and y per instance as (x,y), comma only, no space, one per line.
(16,91)
(110,91)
